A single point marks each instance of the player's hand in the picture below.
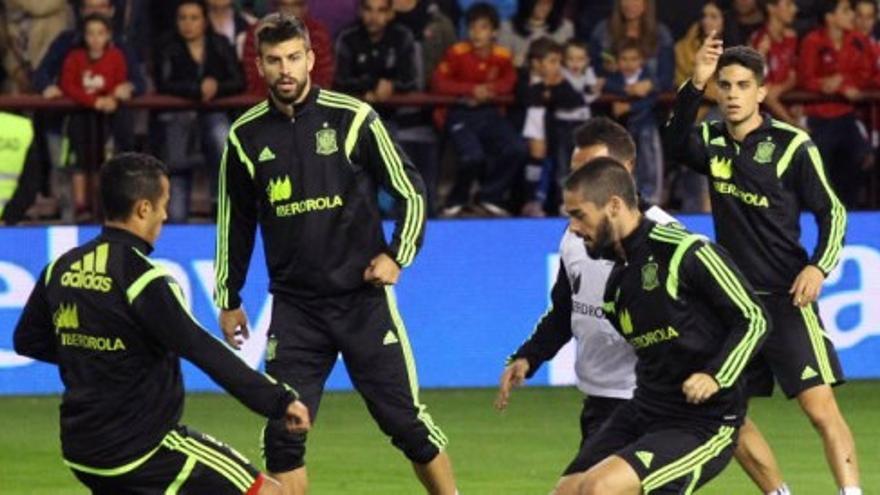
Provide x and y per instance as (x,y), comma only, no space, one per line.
(382,271)
(707,60)
(52,91)
(699,387)
(807,286)
(234,324)
(296,419)
(513,376)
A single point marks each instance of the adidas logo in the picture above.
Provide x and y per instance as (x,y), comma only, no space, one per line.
(266,155)
(88,273)
(808,373)
(646,457)
(390,338)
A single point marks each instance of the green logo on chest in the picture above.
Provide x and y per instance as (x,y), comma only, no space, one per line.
(649,276)
(721,168)
(325,142)
(764,152)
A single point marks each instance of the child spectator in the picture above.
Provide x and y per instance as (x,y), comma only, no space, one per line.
(534,19)
(558,100)
(837,60)
(634,82)
(866,23)
(95,76)
(777,42)
(479,70)
(635,19)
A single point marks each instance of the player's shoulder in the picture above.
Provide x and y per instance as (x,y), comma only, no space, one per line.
(334,101)
(672,241)
(788,133)
(249,117)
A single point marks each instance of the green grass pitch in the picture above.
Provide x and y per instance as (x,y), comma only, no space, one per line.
(521,451)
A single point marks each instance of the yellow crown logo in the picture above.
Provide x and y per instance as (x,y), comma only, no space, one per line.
(721,168)
(65,317)
(279,189)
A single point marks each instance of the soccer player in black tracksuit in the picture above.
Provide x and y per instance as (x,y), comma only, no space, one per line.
(116,323)
(763,173)
(694,323)
(306,165)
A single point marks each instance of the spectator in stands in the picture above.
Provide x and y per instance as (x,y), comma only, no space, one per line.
(680,16)
(835,59)
(31,25)
(335,14)
(376,60)
(777,42)
(227,21)
(744,18)
(562,86)
(21,167)
(534,19)
(322,73)
(433,30)
(634,82)
(484,141)
(505,8)
(691,188)
(198,64)
(634,19)
(866,23)
(95,76)
(48,72)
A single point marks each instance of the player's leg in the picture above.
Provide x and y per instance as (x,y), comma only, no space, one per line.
(300,353)
(619,430)
(752,452)
(377,353)
(613,476)
(679,457)
(186,461)
(820,406)
(806,365)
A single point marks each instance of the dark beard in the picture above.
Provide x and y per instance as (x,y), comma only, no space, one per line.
(603,244)
(288,100)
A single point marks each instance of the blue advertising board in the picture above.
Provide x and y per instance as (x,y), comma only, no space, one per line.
(470,298)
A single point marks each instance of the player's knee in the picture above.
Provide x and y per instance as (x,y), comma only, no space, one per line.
(418,448)
(822,411)
(594,484)
(284,452)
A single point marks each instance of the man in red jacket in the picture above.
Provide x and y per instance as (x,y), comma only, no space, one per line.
(478,70)
(836,60)
(322,74)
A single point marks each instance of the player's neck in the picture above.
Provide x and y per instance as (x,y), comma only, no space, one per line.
(738,131)
(133,227)
(290,108)
(627,224)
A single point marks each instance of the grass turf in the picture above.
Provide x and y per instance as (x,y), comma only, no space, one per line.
(521,451)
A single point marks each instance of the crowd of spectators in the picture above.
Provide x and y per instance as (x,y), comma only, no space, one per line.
(524,74)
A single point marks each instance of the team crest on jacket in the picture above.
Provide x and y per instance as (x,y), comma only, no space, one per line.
(764,153)
(325,142)
(649,276)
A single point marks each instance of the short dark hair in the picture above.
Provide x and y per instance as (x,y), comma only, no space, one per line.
(542,47)
(825,7)
(482,10)
(128,178)
(745,56)
(603,130)
(277,27)
(601,179)
(856,3)
(199,3)
(629,43)
(96,17)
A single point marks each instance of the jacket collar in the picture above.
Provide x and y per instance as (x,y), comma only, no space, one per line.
(126,237)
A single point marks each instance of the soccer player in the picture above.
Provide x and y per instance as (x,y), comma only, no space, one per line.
(694,323)
(763,173)
(604,362)
(307,164)
(116,323)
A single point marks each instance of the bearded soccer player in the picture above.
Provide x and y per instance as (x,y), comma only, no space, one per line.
(763,173)
(306,164)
